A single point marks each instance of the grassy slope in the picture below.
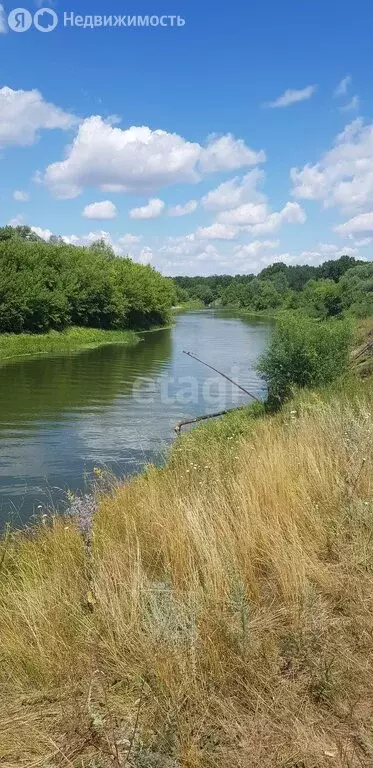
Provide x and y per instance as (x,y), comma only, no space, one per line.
(221,615)
(17,345)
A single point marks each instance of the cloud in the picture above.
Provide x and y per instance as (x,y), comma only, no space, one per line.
(127,241)
(361,226)
(20,196)
(234,192)
(139,159)
(328,248)
(254,248)
(3,21)
(217,231)
(343,176)
(145,256)
(341,90)
(183,210)
(292,97)
(343,86)
(24,113)
(186,255)
(100,211)
(191,255)
(259,221)
(292,213)
(121,246)
(227,153)
(16,221)
(152,210)
(45,234)
(364,242)
(299,258)
(353,104)
(244,215)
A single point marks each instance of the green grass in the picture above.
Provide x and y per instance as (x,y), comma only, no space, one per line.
(18,345)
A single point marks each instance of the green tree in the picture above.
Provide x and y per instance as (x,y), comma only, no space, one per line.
(322,298)
(103,247)
(357,290)
(46,286)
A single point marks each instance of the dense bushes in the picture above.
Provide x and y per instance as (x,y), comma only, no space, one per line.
(46,286)
(304,352)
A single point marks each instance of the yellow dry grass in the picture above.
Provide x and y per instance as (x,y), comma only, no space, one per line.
(221,614)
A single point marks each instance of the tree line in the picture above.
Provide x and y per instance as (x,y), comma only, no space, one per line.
(330,290)
(50,286)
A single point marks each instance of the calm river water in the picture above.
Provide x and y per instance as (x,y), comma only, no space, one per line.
(61,416)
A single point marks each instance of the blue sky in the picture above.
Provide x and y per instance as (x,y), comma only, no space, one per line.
(243,137)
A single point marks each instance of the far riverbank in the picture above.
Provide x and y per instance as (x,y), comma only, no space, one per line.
(13,345)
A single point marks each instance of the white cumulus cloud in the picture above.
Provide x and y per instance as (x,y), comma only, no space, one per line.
(216,231)
(292,213)
(139,159)
(254,248)
(360,226)
(145,256)
(244,215)
(183,210)
(343,176)
(292,96)
(128,240)
(257,219)
(227,153)
(45,234)
(24,113)
(152,210)
(100,211)
(234,192)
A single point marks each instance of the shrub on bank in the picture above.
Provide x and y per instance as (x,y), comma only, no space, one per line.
(304,352)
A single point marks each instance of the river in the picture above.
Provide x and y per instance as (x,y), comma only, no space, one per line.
(116,407)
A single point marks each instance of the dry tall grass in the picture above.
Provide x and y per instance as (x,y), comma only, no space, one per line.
(221,615)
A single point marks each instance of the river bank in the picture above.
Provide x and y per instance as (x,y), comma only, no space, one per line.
(203,588)
(13,345)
